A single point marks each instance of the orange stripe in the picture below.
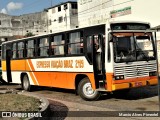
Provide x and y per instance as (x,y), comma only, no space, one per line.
(32,77)
(32,73)
(31,65)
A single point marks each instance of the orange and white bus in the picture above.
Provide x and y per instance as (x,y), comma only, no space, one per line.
(107,57)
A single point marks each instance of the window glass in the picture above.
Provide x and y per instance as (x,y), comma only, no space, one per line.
(30,48)
(14,51)
(57,45)
(75,45)
(59,8)
(20,50)
(43,47)
(4,51)
(74,6)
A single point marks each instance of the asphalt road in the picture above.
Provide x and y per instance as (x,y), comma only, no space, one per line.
(70,106)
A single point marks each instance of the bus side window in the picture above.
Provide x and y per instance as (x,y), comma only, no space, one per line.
(57,45)
(30,48)
(20,50)
(75,45)
(14,51)
(43,46)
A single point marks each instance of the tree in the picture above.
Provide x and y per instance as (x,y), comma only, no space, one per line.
(29,34)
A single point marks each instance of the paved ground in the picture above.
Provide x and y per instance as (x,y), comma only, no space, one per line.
(66,103)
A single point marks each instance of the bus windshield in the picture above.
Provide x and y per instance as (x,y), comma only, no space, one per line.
(129,47)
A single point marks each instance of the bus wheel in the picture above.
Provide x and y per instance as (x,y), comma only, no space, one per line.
(25,83)
(86,92)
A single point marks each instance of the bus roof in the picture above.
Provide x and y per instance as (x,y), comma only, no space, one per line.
(47,34)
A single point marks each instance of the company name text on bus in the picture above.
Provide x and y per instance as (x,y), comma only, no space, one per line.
(60,64)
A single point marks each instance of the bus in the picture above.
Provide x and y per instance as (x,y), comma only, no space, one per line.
(90,60)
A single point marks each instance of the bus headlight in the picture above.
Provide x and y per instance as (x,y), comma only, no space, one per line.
(153,73)
(119,77)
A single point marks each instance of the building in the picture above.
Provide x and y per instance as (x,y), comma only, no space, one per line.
(13,27)
(91,12)
(63,16)
(5,26)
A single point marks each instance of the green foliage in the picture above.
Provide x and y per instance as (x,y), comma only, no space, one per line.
(29,34)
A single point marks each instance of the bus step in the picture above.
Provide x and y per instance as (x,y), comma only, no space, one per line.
(101,90)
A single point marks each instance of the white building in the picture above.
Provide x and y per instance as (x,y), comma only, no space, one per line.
(92,12)
(62,17)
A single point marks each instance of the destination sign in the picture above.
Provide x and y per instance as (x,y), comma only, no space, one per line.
(129,26)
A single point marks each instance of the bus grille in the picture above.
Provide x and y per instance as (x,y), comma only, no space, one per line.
(135,70)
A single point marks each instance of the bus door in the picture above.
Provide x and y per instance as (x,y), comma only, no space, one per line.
(8,64)
(98,59)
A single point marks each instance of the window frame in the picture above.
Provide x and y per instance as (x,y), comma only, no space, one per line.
(38,52)
(30,48)
(52,38)
(80,42)
(21,49)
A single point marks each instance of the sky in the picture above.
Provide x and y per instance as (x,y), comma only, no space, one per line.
(20,7)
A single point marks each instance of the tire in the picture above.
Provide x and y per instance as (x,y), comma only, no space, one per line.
(86,92)
(26,84)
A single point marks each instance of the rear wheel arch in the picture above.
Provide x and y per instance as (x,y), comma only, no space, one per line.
(22,75)
(78,78)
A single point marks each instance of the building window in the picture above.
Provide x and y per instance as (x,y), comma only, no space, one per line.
(43,47)
(60,19)
(57,45)
(50,22)
(74,6)
(59,8)
(65,7)
(75,45)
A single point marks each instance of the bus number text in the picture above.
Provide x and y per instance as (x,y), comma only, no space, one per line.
(79,64)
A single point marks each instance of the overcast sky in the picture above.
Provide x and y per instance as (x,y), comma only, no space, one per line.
(19,7)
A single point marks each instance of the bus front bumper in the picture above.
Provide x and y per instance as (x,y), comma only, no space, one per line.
(134,84)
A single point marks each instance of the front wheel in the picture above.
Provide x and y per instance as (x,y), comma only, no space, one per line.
(86,91)
(26,84)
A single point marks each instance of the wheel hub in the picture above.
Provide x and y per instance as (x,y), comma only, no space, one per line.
(87,89)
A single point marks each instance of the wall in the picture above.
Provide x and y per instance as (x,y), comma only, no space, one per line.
(13,27)
(69,18)
(95,12)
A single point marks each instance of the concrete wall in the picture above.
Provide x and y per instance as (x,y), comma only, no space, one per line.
(12,26)
(95,12)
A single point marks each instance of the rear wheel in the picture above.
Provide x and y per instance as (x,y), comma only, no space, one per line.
(26,84)
(86,91)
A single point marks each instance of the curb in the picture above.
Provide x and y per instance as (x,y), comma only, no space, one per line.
(45,111)
(44,107)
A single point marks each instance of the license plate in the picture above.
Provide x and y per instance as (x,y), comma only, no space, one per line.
(138,84)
